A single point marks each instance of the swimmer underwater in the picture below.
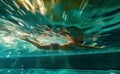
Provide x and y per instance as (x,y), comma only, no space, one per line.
(63,32)
(72,40)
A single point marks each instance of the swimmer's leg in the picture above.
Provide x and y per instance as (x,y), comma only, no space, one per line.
(37,44)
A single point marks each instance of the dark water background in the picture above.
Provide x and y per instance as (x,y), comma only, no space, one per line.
(100,17)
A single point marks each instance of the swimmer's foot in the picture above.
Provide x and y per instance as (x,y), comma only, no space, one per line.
(23,36)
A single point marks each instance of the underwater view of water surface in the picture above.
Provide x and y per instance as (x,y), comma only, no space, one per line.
(59,36)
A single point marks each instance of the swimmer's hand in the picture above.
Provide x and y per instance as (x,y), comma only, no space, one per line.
(102,46)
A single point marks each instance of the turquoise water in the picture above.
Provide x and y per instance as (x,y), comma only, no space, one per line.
(62,71)
(98,20)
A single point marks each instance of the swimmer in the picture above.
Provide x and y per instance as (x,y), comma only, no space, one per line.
(71,40)
(76,41)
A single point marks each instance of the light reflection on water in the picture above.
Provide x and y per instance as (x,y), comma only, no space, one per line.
(91,17)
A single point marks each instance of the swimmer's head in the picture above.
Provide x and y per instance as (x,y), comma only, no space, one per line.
(78,39)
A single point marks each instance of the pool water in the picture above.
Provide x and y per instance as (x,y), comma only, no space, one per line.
(97,20)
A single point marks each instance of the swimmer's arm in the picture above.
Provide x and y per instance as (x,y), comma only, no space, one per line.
(88,46)
(35,43)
